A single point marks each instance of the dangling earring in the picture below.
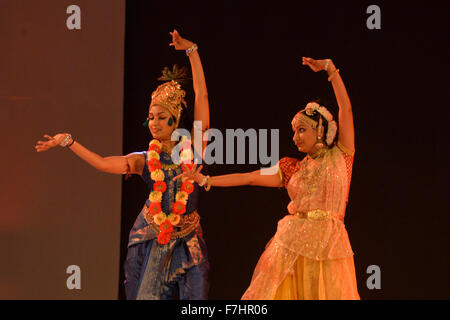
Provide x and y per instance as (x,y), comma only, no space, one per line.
(145,124)
(319,142)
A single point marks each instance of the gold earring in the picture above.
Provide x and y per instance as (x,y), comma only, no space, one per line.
(319,142)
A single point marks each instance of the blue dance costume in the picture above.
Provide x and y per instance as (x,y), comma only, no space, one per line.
(177,270)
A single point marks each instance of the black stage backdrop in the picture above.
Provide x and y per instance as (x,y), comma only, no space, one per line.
(251,54)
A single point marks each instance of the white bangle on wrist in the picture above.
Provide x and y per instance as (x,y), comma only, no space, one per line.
(191,49)
(201,184)
(326,64)
(66,140)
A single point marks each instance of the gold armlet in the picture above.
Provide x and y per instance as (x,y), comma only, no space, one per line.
(332,75)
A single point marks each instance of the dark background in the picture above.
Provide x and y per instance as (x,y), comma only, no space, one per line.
(396,77)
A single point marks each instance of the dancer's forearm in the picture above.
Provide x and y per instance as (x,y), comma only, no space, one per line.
(339,88)
(254,178)
(201,105)
(198,76)
(231,180)
(114,164)
(346,127)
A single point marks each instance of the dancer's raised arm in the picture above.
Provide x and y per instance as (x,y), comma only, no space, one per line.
(346,127)
(201,104)
(132,163)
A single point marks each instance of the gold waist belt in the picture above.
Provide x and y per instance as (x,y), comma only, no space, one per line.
(313,214)
(187,224)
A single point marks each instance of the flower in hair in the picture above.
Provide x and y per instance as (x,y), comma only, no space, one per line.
(325,113)
(314,106)
(331,132)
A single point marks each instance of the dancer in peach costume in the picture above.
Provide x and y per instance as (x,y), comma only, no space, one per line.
(310,256)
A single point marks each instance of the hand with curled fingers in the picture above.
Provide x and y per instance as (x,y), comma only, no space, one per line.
(318,65)
(179,42)
(193,174)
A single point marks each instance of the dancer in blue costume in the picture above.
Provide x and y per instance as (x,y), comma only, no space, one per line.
(167,255)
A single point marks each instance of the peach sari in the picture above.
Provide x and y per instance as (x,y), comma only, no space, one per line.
(310,256)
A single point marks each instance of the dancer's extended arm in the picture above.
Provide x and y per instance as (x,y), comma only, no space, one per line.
(346,128)
(132,163)
(255,178)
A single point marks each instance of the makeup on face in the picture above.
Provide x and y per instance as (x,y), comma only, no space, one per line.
(161,115)
(160,122)
(304,137)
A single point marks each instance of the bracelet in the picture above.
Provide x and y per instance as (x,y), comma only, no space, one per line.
(333,74)
(201,184)
(66,140)
(70,144)
(191,49)
(326,64)
(208,183)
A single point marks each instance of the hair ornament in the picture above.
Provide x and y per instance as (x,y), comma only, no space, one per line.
(178,74)
(309,111)
(169,94)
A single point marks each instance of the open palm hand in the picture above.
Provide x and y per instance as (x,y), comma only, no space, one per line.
(50,143)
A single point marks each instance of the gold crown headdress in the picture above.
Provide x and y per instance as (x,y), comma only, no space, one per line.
(169,94)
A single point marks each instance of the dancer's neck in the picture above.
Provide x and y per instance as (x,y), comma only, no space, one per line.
(167,145)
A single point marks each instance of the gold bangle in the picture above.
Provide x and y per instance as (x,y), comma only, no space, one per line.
(191,49)
(332,75)
(208,183)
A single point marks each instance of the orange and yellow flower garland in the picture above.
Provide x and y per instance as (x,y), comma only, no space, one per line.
(165,221)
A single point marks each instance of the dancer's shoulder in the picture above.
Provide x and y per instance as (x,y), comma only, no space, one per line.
(288,162)
(287,167)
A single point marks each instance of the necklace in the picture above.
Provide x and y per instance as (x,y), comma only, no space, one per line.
(318,153)
(166,147)
(165,221)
